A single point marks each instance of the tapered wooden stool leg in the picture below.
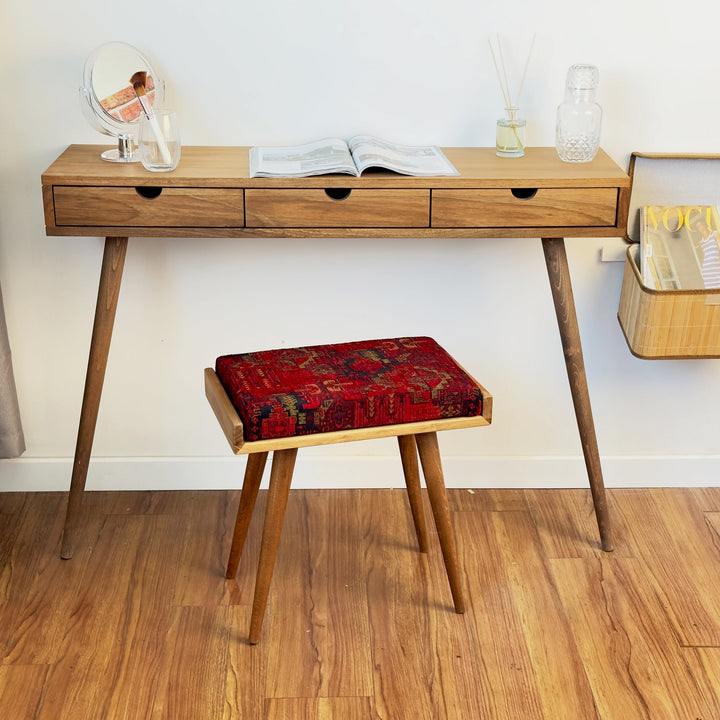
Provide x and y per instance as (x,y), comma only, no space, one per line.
(432,469)
(408,455)
(251,484)
(280,479)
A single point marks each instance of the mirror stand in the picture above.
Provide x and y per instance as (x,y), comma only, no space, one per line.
(124,152)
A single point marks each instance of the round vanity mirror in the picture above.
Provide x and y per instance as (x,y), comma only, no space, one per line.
(109,100)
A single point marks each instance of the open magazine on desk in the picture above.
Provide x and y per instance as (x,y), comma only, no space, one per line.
(334,155)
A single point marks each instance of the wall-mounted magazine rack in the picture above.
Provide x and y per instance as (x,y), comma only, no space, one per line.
(668,324)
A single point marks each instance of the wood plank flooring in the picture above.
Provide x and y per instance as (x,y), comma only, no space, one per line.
(142,625)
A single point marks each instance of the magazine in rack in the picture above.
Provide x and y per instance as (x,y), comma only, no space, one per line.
(680,247)
(333,155)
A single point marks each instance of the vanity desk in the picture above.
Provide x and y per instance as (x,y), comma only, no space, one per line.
(210,194)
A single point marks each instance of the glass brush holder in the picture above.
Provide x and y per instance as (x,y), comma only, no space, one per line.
(159,144)
(510,137)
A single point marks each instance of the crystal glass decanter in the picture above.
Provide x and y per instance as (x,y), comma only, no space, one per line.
(577,132)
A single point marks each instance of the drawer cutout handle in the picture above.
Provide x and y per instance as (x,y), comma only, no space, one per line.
(149,192)
(524,193)
(338,193)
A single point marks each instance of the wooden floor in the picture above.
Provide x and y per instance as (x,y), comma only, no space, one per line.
(141,623)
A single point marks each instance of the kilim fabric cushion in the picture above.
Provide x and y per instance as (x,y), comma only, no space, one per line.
(324,388)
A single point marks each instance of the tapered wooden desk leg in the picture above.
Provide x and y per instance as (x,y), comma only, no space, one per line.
(559,275)
(108,291)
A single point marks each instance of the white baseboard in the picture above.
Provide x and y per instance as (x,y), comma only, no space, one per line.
(190,473)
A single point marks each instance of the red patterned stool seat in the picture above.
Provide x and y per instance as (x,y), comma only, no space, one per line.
(326,388)
(280,400)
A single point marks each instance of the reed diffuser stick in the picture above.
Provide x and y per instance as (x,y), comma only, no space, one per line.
(502,76)
(502,65)
(497,70)
(527,62)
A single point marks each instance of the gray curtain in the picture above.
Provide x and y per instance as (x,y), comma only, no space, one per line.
(12,441)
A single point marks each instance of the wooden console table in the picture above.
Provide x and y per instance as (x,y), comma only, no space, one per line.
(211,195)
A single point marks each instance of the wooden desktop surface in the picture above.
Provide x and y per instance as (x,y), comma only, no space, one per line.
(213,166)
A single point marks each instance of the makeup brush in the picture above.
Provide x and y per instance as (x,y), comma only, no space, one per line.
(138,81)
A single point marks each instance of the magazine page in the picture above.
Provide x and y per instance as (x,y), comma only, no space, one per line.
(330,155)
(680,247)
(370,151)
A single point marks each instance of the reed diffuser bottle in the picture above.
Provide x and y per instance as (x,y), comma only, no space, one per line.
(510,136)
(577,131)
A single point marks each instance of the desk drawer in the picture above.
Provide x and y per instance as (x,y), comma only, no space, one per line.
(544,207)
(335,208)
(148,206)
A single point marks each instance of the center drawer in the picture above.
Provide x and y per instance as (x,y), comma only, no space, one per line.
(148,206)
(336,208)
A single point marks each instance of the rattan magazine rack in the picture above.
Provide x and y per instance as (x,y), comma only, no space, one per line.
(667,324)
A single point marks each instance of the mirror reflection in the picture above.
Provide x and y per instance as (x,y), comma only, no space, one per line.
(111,83)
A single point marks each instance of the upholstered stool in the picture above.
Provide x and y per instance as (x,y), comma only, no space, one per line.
(281,400)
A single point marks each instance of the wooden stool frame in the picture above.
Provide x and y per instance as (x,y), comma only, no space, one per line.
(420,435)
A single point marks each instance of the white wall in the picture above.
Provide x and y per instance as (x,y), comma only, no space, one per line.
(278,72)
